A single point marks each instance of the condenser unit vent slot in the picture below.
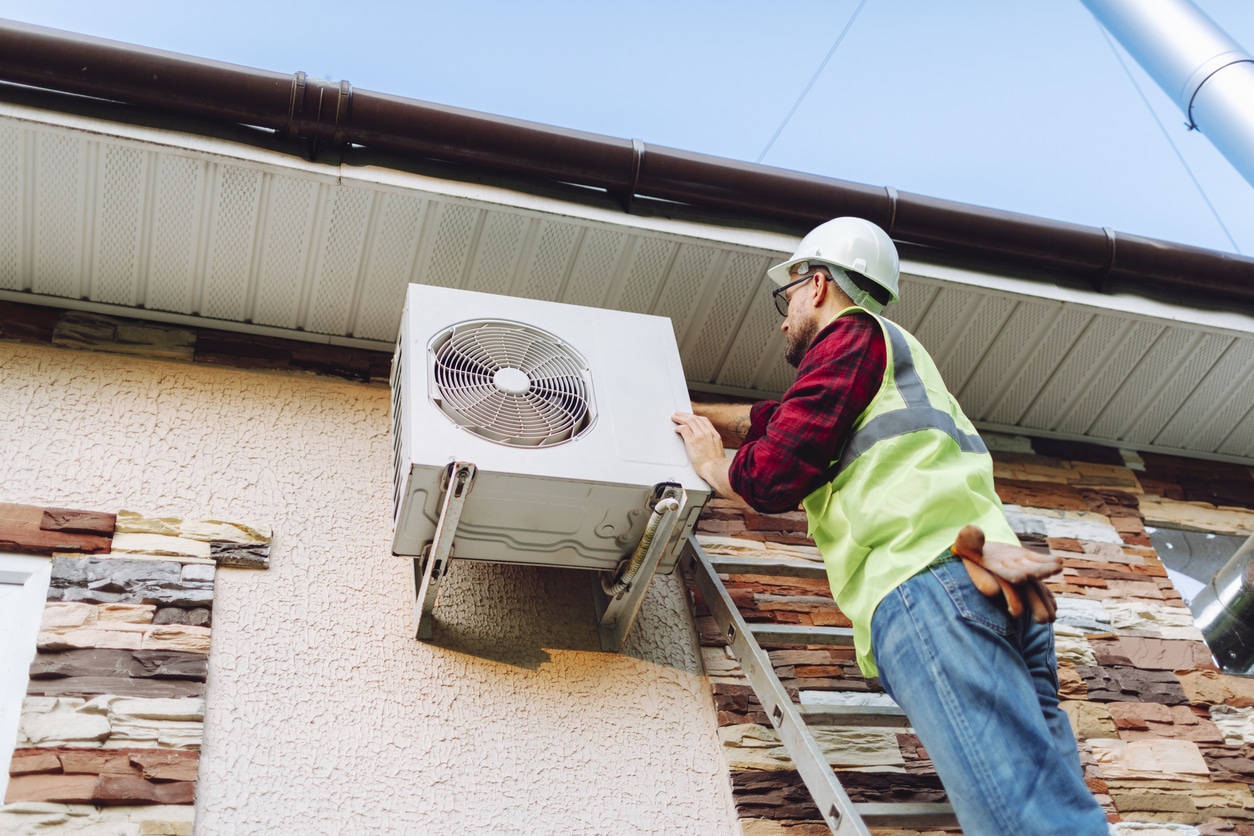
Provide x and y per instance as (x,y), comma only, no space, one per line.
(511,383)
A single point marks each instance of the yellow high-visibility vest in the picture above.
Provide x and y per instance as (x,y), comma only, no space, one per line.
(913,472)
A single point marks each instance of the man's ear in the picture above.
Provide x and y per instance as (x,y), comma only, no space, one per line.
(820,289)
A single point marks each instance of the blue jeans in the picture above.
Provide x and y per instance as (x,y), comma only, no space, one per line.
(981,690)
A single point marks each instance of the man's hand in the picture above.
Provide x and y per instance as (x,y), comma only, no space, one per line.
(1010,570)
(705,451)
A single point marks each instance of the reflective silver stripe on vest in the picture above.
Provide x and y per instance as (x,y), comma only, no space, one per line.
(919,414)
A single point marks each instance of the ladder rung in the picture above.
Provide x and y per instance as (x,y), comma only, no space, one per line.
(854,715)
(802,634)
(782,567)
(911,815)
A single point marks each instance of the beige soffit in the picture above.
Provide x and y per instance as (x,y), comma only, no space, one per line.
(188,229)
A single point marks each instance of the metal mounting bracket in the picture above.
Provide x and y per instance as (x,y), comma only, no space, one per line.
(431,567)
(617,614)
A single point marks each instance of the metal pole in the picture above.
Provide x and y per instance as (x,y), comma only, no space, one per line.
(1208,75)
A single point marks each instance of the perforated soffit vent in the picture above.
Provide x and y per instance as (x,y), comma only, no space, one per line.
(511,383)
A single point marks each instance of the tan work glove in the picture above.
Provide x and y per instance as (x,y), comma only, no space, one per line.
(1012,571)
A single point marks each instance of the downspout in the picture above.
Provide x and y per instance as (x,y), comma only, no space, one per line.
(323,114)
(1206,73)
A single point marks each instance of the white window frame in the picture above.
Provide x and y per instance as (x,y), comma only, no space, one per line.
(23,593)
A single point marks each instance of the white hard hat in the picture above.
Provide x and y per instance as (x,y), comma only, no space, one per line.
(852,244)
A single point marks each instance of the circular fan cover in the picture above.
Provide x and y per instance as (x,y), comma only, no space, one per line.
(512,383)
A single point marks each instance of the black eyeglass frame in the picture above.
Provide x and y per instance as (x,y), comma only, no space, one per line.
(781,301)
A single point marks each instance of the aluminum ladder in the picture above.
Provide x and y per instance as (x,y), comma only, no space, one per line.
(793,721)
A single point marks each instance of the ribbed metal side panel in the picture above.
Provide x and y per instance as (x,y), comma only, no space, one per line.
(335,279)
(1220,400)
(650,260)
(13,207)
(969,342)
(1034,375)
(59,210)
(119,224)
(233,225)
(177,212)
(1014,346)
(1148,418)
(747,359)
(390,262)
(500,247)
(450,249)
(739,275)
(684,287)
(283,259)
(597,267)
(1082,410)
(552,255)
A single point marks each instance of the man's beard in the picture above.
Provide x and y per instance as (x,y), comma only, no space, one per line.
(799,339)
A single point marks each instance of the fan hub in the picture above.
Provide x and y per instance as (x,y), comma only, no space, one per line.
(512,381)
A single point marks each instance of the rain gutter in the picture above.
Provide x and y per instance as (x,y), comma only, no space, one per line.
(334,115)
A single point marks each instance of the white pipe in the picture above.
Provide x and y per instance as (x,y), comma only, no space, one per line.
(1208,75)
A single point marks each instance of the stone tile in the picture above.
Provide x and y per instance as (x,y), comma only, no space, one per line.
(20,531)
(1196,516)
(1120,759)
(1139,721)
(159,544)
(79,522)
(1210,687)
(1168,622)
(1073,649)
(1123,684)
(1080,616)
(1074,525)
(1158,654)
(1089,719)
(61,722)
(177,637)
(1070,684)
(1236,724)
(94,686)
(164,765)
(89,637)
(129,522)
(58,617)
(29,761)
(750,746)
(128,613)
(732,546)
(74,789)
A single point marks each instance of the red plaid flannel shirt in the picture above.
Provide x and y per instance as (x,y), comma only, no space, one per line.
(792,443)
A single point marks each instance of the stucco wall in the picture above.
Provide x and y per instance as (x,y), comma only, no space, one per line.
(324,716)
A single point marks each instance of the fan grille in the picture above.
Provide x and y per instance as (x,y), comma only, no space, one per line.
(512,383)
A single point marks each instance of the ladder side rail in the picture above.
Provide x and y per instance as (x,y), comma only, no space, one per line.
(834,805)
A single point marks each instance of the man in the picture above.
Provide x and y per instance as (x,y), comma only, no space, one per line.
(894,480)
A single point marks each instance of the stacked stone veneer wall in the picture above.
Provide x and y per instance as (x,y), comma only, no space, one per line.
(111,726)
(1166,740)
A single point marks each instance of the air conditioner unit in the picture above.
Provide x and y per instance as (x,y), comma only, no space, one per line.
(538,433)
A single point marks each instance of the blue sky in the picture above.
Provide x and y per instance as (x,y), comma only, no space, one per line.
(1014,104)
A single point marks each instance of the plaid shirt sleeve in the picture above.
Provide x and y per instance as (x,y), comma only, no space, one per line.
(792,443)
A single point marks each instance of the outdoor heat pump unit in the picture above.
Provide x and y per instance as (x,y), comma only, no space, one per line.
(539,433)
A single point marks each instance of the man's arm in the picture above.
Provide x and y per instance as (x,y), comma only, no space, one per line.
(731,420)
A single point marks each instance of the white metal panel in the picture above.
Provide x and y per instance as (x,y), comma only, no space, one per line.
(389,264)
(336,275)
(741,275)
(114,266)
(1073,375)
(650,261)
(1220,400)
(237,194)
(450,249)
(60,208)
(970,340)
(289,207)
(596,267)
(1150,416)
(685,287)
(747,359)
(496,258)
(548,264)
(1034,375)
(1086,405)
(1015,344)
(13,208)
(178,210)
